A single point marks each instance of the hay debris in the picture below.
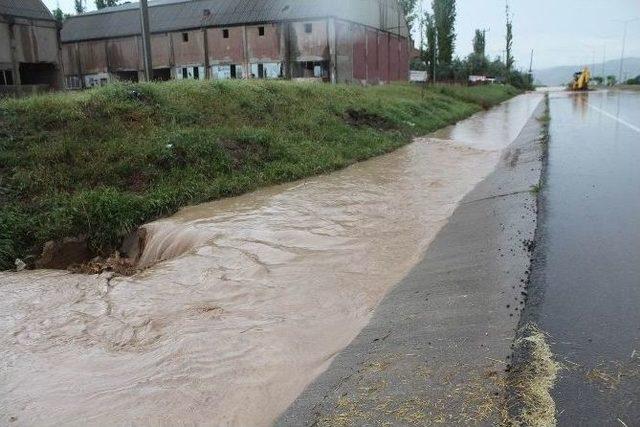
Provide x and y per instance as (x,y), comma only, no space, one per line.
(532,380)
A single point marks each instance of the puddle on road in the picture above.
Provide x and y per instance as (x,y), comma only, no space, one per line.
(266,289)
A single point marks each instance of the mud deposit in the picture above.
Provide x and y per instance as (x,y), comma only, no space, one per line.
(255,296)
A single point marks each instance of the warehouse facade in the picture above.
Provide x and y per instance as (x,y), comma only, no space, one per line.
(29,47)
(347,41)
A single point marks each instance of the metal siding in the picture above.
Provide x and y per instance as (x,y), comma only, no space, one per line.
(404,60)
(123,54)
(383,56)
(93,57)
(226,51)
(344,44)
(36,44)
(161,50)
(394,58)
(310,47)
(190,52)
(359,53)
(69,60)
(5,46)
(372,56)
(264,48)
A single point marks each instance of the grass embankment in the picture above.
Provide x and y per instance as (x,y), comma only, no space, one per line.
(102,162)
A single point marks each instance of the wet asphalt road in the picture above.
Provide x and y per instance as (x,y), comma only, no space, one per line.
(585,286)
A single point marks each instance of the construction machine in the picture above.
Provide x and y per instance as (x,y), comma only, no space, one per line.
(581,79)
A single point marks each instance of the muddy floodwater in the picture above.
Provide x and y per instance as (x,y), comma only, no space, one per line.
(246,299)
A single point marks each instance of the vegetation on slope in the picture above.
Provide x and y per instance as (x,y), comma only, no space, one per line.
(102,162)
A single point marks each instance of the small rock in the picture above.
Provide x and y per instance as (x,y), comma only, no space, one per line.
(20,265)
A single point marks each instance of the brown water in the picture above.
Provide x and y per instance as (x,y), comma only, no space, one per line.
(257,295)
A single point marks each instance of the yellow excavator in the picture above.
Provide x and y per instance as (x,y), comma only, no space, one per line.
(581,80)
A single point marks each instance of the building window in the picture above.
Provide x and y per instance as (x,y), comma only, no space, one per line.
(233,72)
(185,73)
(6,78)
(225,34)
(261,71)
(261,31)
(196,73)
(185,37)
(73,82)
(308,28)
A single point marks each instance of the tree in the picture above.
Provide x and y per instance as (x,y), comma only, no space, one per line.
(509,39)
(611,80)
(101,4)
(444,15)
(408,8)
(58,15)
(477,60)
(598,80)
(79,6)
(479,43)
(431,48)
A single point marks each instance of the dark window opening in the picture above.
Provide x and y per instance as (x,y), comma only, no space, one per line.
(233,72)
(185,73)
(261,31)
(311,69)
(127,76)
(196,73)
(162,74)
(185,37)
(38,74)
(308,28)
(6,77)
(261,71)
(225,34)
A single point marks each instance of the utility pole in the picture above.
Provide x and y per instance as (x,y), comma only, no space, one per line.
(146,40)
(624,41)
(531,69)
(604,58)
(435,48)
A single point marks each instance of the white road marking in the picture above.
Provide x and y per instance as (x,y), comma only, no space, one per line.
(627,124)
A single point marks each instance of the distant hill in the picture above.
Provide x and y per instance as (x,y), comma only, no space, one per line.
(560,75)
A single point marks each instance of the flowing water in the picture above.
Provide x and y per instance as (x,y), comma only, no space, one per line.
(246,299)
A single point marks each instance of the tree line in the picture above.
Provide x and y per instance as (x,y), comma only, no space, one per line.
(80,6)
(438,41)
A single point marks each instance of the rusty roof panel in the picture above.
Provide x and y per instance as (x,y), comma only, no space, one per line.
(176,15)
(31,9)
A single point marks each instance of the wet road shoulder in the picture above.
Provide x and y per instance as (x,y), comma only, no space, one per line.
(585,280)
(438,345)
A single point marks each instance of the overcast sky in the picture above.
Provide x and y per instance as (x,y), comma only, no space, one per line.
(561,32)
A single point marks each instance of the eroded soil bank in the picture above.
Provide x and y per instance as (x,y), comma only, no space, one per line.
(257,295)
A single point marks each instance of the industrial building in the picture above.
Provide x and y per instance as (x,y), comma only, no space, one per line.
(30,59)
(348,41)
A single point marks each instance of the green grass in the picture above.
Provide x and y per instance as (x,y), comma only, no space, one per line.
(104,161)
(485,96)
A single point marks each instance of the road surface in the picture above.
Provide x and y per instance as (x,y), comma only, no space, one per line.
(585,289)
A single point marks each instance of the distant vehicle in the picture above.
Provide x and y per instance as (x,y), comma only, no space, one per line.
(480,80)
(581,79)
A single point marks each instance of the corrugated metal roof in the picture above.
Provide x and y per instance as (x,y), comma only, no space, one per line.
(175,15)
(32,9)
